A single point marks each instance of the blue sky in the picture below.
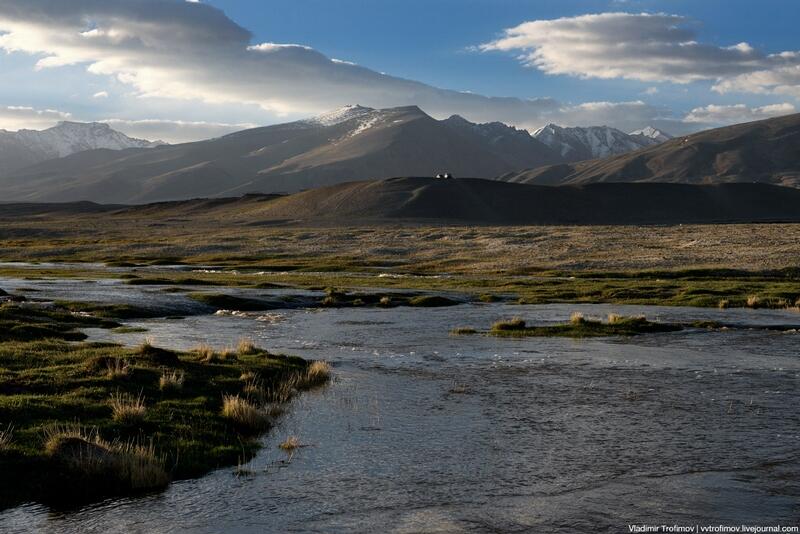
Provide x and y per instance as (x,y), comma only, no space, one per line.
(427,40)
(435,42)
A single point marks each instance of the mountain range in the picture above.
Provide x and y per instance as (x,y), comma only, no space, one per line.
(351,143)
(763,151)
(27,147)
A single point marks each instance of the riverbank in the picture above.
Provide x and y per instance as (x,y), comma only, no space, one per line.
(82,420)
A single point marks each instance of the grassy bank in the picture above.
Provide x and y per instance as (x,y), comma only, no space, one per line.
(81,420)
(722,288)
(580,326)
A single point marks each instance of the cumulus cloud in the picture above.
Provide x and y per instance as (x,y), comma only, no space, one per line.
(646,47)
(781,78)
(100,94)
(175,131)
(732,114)
(178,49)
(17,117)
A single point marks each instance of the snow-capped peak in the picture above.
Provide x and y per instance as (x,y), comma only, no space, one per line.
(576,143)
(652,133)
(70,137)
(340,115)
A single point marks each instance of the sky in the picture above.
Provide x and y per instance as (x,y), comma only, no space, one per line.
(181,70)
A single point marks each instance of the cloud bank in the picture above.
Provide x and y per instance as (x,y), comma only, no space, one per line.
(178,49)
(649,48)
(175,131)
(187,50)
(20,117)
(723,115)
(190,51)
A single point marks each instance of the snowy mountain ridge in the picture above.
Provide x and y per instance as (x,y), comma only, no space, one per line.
(28,147)
(579,143)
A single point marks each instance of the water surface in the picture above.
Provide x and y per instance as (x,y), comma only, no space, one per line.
(426,432)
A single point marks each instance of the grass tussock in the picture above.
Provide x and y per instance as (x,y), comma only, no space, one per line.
(577,318)
(246,347)
(206,353)
(117,368)
(6,436)
(463,331)
(517,323)
(245,416)
(171,381)
(431,301)
(316,374)
(290,444)
(127,409)
(116,467)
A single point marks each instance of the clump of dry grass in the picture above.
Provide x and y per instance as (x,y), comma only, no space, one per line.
(463,331)
(577,318)
(147,345)
(244,414)
(724,304)
(5,437)
(171,380)
(753,301)
(246,347)
(228,355)
(117,368)
(205,352)
(517,323)
(253,388)
(614,318)
(127,409)
(290,444)
(385,301)
(129,465)
(318,373)
(458,389)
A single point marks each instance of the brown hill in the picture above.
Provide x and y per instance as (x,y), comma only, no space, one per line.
(465,201)
(477,201)
(765,151)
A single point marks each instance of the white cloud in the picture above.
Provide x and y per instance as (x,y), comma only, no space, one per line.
(192,51)
(732,114)
(178,51)
(646,47)
(15,118)
(18,117)
(100,94)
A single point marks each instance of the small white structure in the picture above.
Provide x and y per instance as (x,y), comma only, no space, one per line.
(444,176)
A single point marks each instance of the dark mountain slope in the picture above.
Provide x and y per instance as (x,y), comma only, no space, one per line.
(765,151)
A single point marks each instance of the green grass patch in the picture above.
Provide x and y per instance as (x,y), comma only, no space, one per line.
(83,420)
(578,326)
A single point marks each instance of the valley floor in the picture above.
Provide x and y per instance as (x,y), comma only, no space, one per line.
(752,265)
